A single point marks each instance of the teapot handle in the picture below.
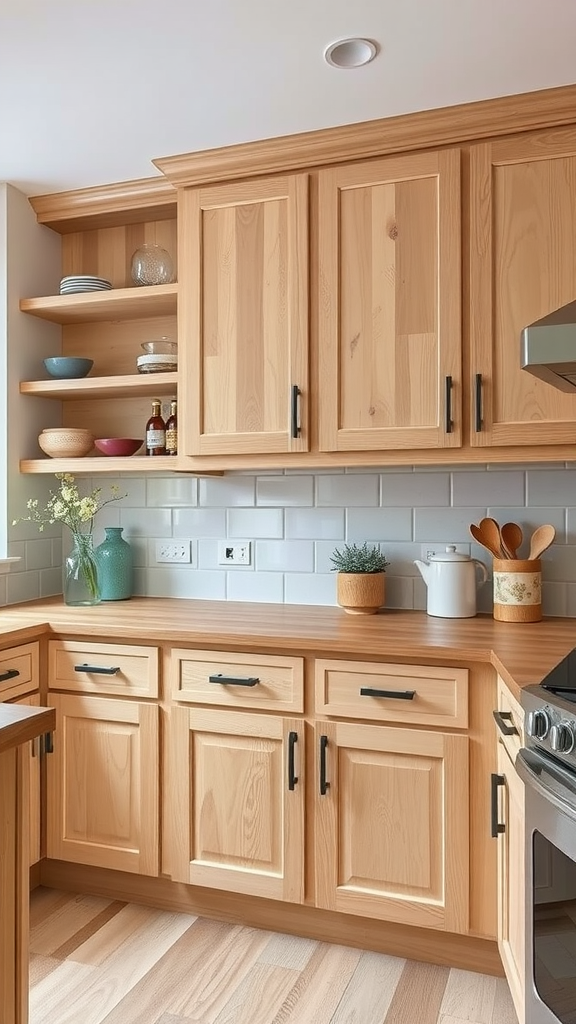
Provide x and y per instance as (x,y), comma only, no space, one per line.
(483,571)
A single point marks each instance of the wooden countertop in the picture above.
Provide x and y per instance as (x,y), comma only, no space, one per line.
(522,653)
(18,724)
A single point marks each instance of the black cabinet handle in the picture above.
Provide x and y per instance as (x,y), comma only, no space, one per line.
(496,827)
(10,674)
(292,741)
(502,718)
(448,404)
(97,669)
(234,680)
(294,411)
(324,785)
(478,402)
(367,691)
(48,745)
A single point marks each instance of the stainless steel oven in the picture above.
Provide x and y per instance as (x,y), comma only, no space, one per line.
(547,766)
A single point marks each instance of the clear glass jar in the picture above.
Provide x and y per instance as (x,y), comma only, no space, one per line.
(151,264)
(81,584)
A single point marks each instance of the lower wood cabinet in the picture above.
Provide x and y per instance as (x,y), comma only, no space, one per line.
(237,794)
(392,824)
(103,783)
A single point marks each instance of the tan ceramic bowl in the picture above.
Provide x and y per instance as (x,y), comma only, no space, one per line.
(66,442)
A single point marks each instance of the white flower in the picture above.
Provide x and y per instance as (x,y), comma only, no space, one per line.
(68,507)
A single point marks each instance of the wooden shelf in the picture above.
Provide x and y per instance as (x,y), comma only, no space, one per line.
(102,464)
(98,307)
(136,385)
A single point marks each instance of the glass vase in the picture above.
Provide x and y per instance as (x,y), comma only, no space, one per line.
(114,560)
(151,264)
(81,586)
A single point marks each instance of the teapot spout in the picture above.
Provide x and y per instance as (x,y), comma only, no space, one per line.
(424,568)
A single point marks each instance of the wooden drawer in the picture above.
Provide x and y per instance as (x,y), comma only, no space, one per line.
(510,716)
(121,669)
(279,685)
(440,694)
(19,671)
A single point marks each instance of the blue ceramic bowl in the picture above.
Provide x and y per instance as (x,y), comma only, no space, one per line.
(67,367)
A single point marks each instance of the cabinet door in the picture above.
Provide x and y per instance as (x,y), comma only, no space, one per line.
(243,317)
(522,266)
(237,815)
(34,785)
(103,784)
(389,304)
(393,824)
(511,881)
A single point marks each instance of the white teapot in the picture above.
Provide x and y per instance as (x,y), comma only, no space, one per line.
(452,580)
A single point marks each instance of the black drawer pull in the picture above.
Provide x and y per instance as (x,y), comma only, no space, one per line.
(10,674)
(295,412)
(97,669)
(448,405)
(496,827)
(292,741)
(478,402)
(48,746)
(502,718)
(324,785)
(234,680)
(368,691)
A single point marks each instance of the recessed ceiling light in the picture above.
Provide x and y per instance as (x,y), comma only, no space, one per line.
(350,53)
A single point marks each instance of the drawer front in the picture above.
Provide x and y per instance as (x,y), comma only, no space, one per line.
(415,694)
(19,670)
(263,681)
(121,669)
(510,716)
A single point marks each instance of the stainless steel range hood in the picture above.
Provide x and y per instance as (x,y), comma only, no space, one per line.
(548,348)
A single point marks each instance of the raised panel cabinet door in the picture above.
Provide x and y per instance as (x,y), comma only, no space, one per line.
(511,881)
(392,824)
(238,802)
(103,784)
(522,266)
(243,317)
(389,305)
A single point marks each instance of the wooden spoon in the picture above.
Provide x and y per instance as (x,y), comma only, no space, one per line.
(485,541)
(512,537)
(541,539)
(490,529)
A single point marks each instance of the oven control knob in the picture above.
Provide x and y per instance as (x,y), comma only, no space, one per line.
(562,737)
(538,724)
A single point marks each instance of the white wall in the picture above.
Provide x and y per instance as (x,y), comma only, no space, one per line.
(295,519)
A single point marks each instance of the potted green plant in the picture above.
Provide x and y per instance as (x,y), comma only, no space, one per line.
(361,577)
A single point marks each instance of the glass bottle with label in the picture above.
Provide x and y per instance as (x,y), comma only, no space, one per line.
(172,430)
(156,431)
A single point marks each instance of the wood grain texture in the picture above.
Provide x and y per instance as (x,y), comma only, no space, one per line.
(122,303)
(106,205)
(18,724)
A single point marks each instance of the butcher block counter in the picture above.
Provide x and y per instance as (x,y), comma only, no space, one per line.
(521,653)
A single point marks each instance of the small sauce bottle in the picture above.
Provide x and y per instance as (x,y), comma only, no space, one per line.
(156,431)
(172,430)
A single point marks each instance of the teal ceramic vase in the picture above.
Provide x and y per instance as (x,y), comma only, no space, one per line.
(115,565)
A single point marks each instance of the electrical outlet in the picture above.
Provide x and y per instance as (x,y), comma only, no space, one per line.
(234,552)
(173,551)
(427,549)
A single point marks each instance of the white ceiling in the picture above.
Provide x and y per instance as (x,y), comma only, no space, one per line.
(92,90)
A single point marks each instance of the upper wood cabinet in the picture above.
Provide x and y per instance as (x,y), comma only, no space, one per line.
(522,266)
(389,312)
(243,316)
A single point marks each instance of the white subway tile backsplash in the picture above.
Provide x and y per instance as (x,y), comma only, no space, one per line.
(314,523)
(378,524)
(255,522)
(171,492)
(183,581)
(22,586)
(224,491)
(412,489)
(310,588)
(197,522)
(265,587)
(285,555)
(473,488)
(554,598)
(323,549)
(545,484)
(350,489)
(285,490)
(148,522)
(448,524)
(39,554)
(208,557)
(51,581)
(399,591)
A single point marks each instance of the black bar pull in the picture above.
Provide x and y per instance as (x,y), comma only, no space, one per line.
(292,741)
(324,785)
(48,745)
(502,718)
(478,402)
(234,680)
(448,404)
(368,691)
(97,669)
(295,411)
(10,674)
(496,827)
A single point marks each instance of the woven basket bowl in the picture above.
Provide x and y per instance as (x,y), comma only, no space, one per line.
(66,442)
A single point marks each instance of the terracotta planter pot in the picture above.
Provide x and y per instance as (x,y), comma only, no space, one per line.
(361,593)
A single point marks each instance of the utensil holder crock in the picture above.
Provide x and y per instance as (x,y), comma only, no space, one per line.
(517,589)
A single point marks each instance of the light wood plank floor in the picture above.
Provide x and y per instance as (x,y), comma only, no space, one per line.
(100,961)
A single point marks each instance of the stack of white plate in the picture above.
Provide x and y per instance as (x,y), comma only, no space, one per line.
(83,283)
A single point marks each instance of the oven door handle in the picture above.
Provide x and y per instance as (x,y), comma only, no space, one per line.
(531,767)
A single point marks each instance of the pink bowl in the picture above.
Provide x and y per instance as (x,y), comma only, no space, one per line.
(117,445)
